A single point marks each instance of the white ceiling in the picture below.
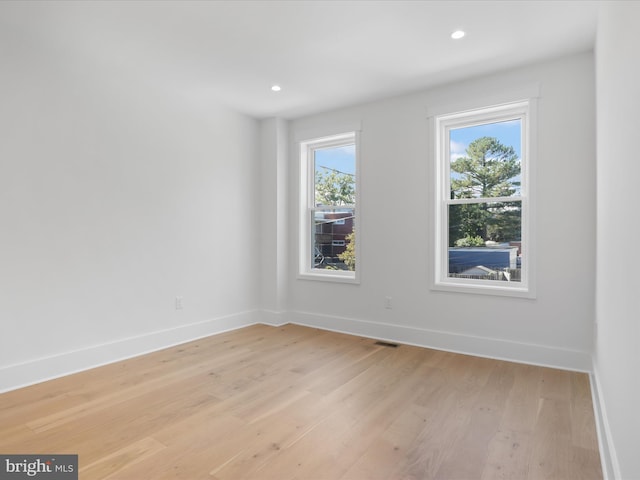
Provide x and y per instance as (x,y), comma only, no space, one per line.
(324,54)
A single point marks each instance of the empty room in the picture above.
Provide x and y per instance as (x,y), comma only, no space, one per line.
(319,240)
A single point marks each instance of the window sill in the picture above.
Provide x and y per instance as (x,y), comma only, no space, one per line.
(491,289)
(336,277)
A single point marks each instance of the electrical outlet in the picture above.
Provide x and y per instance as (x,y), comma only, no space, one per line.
(387,303)
(179,303)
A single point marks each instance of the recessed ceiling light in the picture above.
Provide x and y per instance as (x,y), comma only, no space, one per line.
(276,88)
(458,34)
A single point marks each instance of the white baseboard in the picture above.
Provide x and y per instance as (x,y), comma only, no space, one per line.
(608,457)
(273,318)
(41,369)
(452,342)
(47,368)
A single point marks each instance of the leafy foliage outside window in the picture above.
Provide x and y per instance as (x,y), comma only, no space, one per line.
(470,241)
(335,188)
(488,170)
(349,255)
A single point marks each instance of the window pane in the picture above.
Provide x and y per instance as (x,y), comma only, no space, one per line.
(335,175)
(485,160)
(485,241)
(334,240)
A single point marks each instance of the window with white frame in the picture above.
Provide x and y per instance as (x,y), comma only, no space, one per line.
(483,206)
(328,218)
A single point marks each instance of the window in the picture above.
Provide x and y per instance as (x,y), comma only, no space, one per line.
(484,191)
(328,220)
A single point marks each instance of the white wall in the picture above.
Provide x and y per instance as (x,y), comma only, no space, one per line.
(396,203)
(273,219)
(617,352)
(114,199)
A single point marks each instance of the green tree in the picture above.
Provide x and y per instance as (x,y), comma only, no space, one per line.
(489,169)
(335,188)
(349,255)
(470,242)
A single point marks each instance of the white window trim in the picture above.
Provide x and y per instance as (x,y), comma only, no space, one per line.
(307,206)
(439,125)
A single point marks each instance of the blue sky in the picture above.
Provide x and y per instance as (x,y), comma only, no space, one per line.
(338,158)
(508,133)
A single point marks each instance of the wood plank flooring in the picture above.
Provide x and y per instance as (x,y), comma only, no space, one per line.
(299,403)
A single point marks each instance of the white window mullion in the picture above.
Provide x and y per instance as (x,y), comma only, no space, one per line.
(467,201)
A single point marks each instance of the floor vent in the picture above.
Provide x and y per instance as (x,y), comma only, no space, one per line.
(387,344)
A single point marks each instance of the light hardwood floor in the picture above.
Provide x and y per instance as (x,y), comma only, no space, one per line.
(299,403)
